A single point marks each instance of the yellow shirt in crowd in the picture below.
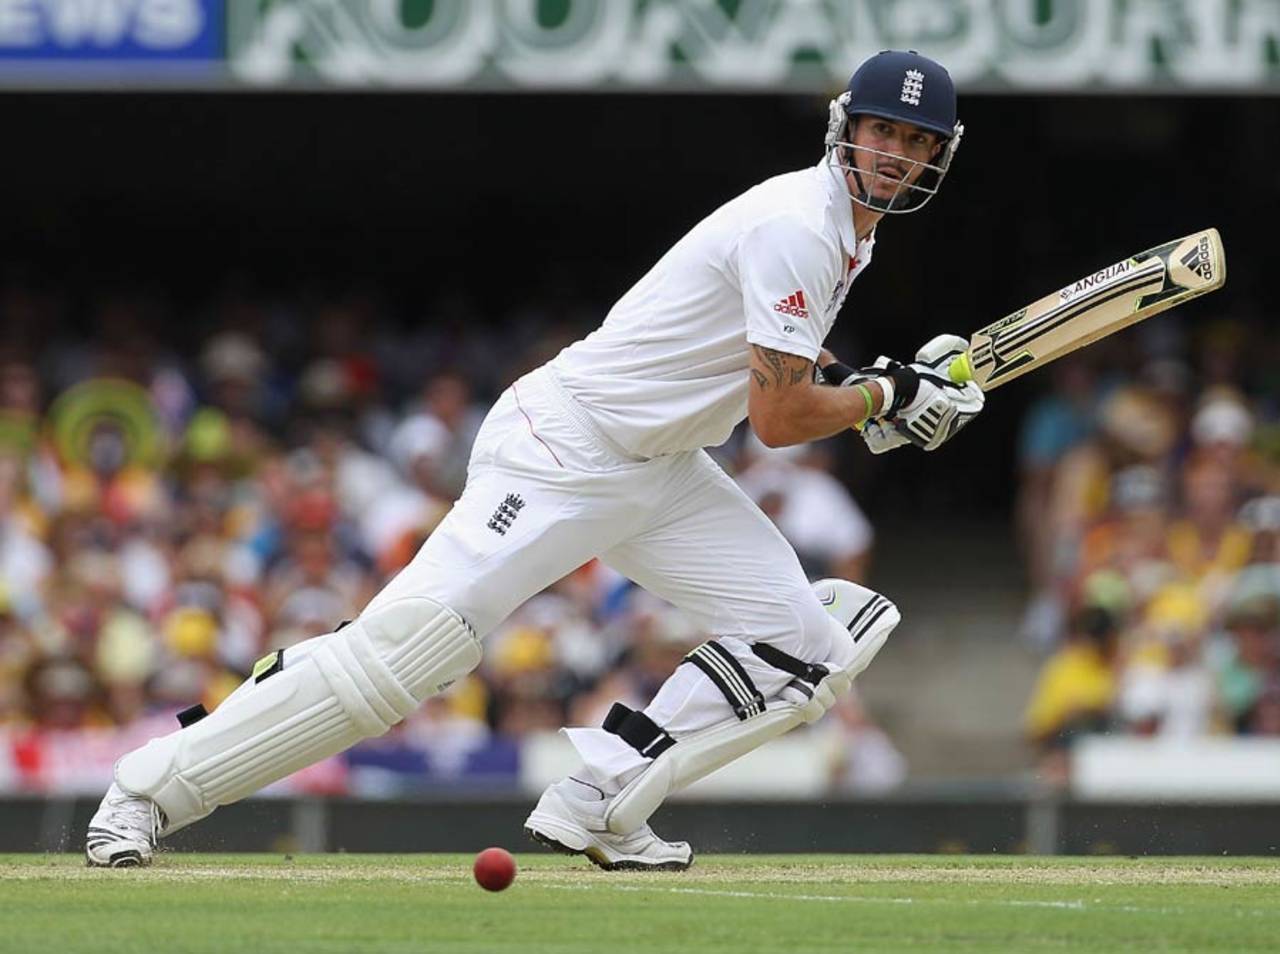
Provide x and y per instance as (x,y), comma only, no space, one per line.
(1075,680)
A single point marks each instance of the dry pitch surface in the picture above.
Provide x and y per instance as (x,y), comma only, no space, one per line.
(738,904)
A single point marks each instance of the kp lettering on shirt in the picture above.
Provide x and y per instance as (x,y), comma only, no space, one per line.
(71,30)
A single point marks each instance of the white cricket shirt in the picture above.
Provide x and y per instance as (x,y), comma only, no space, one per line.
(667,370)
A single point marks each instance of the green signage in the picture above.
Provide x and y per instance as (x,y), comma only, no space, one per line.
(753,45)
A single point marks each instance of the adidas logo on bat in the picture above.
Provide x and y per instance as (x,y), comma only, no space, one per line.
(1200,259)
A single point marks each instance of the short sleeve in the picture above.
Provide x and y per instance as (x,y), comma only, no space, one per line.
(788,277)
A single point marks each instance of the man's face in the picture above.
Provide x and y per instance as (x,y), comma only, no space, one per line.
(906,148)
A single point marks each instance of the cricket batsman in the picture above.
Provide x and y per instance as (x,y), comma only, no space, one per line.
(600,453)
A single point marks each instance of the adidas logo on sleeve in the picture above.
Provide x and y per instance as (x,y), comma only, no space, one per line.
(792,305)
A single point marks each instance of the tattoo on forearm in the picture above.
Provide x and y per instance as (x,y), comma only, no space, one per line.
(784,370)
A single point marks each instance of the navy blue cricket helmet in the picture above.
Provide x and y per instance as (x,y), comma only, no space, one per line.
(906,87)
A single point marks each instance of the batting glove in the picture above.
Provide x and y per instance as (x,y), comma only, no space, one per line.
(940,407)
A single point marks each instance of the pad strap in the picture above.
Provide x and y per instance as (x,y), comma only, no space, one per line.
(869,617)
(726,674)
(192,715)
(637,730)
(812,673)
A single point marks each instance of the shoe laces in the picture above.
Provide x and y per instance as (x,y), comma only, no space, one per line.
(646,836)
(135,814)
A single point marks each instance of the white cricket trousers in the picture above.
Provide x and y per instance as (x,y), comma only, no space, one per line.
(547,491)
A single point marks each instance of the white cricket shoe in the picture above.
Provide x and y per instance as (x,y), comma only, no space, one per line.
(123,831)
(569,817)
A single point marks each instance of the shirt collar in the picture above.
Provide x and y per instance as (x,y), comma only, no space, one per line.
(838,190)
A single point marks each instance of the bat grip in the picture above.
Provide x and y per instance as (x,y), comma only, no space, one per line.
(960,371)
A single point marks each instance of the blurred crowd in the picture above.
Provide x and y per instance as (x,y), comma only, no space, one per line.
(178,500)
(170,513)
(1149,514)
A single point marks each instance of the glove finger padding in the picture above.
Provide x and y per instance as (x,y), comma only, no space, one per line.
(939,412)
(881,437)
(939,351)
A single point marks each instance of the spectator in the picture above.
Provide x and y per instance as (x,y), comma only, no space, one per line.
(1205,543)
(1074,691)
(814,511)
(1131,537)
(447,398)
(1247,660)
(1166,687)
(1053,426)
(864,760)
(1133,428)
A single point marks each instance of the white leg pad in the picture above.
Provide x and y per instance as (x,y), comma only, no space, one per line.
(865,620)
(331,692)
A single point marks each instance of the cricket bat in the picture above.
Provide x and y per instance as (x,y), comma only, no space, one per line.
(1093,307)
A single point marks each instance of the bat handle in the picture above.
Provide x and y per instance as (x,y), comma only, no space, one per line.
(960,371)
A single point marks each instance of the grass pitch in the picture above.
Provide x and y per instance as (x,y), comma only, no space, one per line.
(737,904)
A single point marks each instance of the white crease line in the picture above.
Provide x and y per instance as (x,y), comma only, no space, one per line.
(1095,906)
(857,899)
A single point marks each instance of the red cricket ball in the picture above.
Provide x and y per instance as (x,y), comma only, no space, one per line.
(494,869)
